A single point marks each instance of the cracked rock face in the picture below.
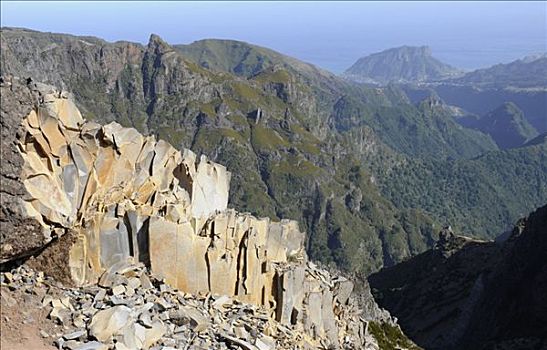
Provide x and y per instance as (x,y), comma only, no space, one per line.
(125,197)
(20,235)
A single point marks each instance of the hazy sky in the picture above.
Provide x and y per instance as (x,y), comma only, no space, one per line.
(330,34)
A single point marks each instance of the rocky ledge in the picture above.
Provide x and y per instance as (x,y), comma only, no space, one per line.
(92,198)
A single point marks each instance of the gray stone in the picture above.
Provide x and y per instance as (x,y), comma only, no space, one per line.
(342,290)
(100,295)
(114,242)
(71,344)
(189,316)
(117,290)
(109,322)
(75,335)
(145,282)
(92,345)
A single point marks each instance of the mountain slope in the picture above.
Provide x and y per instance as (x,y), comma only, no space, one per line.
(300,142)
(287,159)
(461,192)
(230,56)
(247,60)
(513,308)
(522,82)
(468,294)
(403,127)
(480,101)
(507,126)
(401,64)
(542,138)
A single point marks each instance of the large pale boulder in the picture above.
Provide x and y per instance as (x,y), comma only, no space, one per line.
(110,322)
(127,198)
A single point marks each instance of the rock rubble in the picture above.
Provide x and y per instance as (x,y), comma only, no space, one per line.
(133,310)
(124,199)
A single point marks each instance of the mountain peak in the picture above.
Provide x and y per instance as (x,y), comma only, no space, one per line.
(424,49)
(507,126)
(157,44)
(401,64)
(527,72)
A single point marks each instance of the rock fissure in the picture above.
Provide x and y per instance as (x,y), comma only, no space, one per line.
(128,198)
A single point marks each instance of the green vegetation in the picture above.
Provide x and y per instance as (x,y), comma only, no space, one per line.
(279,76)
(476,196)
(265,138)
(390,337)
(507,126)
(230,56)
(368,175)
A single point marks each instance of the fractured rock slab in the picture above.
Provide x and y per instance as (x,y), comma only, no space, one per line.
(107,323)
(130,199)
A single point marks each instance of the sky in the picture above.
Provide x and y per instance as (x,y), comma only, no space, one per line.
(332,35)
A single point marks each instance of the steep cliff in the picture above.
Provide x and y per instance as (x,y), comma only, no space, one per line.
(469,294)
(116,197)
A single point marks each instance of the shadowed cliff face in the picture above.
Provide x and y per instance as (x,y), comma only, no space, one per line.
(512,312)
(470,294)
(20,236)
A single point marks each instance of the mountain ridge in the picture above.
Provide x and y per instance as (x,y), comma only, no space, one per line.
(506,125)
(470,294)
(145,224)
(329,154)
(527,72)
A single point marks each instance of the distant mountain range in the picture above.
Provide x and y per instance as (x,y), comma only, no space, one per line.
(413,69)
(529,72)
(370,172)
(401,65)
(410,64)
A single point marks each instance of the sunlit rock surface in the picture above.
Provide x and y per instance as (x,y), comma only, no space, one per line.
(128,197)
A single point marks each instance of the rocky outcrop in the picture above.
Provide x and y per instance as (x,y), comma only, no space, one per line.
(20,235)
(127,198)
(469,294)
(512,311)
